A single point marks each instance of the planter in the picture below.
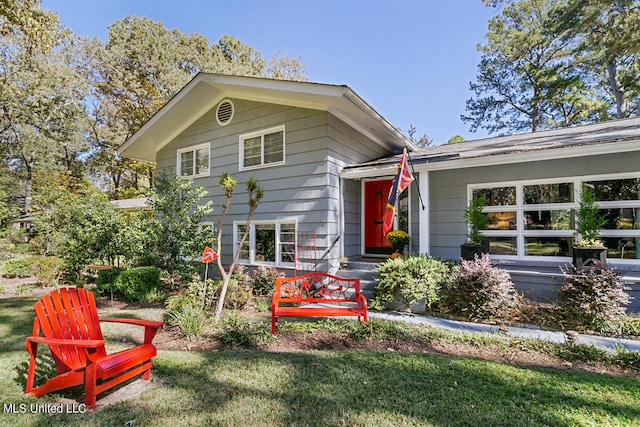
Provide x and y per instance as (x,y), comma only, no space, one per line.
(468,251)
(398,247)
(589,256)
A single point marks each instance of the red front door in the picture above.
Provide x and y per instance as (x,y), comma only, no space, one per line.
(376,194)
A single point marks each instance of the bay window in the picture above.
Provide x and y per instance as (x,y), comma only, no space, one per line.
(536,218)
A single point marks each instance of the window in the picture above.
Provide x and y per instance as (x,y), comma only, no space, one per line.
(264,148)
(268,243)
(536,219)
(194,161)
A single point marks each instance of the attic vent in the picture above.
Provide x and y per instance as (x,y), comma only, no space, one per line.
(224,113)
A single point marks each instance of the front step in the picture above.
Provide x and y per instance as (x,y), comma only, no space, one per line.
(362,270)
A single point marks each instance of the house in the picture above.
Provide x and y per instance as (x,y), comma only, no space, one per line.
(326,159)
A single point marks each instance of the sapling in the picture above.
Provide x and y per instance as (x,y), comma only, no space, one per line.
(228,184)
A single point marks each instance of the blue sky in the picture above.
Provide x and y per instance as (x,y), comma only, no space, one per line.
(411,60)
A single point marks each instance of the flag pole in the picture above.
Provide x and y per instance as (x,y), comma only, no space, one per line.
(413,171)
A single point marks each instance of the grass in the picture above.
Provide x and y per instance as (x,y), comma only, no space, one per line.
(313,388)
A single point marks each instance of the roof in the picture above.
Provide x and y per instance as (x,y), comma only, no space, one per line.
(206,90)
(606,137)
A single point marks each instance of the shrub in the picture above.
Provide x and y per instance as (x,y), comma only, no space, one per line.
(238,293)
(592,297)
(480,291)
(263,280)
(191,311)
(238,332)
(47,269)
(409,279)
(136,284)
(17,267)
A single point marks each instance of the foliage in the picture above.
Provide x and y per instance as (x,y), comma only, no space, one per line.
(238,293)
(238,332)
(17,267)
(90,227)
(606,37)
(263,280)
(139,284)
(178,208)
(43,114)
(530,76)
(589,220)
(410,279)
(479,291)
(47,270)
(592,297)
(191,310)
(625,326)
(398,237)
(476,219)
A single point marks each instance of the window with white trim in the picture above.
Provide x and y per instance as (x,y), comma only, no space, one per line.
(536,218)
(193,161)
(262,148)
(268,242)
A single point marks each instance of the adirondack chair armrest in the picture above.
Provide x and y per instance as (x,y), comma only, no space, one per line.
(150,326)
(139,322)
(65,342)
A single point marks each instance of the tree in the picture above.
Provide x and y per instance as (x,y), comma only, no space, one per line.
(284,68)
(422,142)
(607,38)
(142,65)
(176,202)
(456,139)
(42,110)
(228,184)
(526,76)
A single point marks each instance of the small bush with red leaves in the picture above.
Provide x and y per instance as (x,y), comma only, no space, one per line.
(480,291)
(592,297)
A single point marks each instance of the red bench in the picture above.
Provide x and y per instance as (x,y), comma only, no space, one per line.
(68,320)
(317,294)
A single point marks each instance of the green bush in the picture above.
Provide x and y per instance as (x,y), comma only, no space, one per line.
(409,279)
(263,280)
(592,297)
(18,267)
(47,269)
(479,291)
(238,332)
(138,284)
(191,310)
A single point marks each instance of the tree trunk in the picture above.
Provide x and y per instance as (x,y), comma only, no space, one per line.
(618,90)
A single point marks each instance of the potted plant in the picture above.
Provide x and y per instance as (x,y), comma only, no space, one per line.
(476,221)
(398,239)
(589,250)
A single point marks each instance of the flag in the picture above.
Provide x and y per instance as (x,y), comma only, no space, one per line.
(401,181)
(209,255)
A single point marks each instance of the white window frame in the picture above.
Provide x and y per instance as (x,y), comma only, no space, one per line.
(520,233)
(261,134)
(251,240)
(194,149)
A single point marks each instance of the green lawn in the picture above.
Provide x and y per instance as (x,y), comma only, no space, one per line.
(361,388)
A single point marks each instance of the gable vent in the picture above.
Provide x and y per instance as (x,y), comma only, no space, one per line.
(224,113)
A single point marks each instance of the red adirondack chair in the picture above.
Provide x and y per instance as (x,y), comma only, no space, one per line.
(68,320)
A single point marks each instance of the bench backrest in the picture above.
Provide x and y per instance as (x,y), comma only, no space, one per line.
(316,287)
(68,313)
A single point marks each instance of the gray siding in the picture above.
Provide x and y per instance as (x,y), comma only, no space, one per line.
(541,281)
(306,189)
(348,147)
